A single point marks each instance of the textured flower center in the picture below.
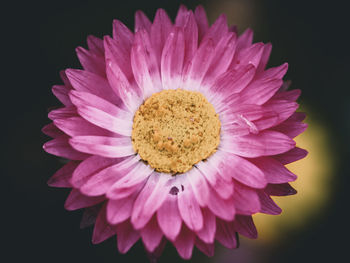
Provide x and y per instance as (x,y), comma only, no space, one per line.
(175,129)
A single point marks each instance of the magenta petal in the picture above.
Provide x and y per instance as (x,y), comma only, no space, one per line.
(61,93)
(169,218)
(242,170)
(141,21)
(89,167)
(291,128)
(172,59)
(196,70)
(217,30)
(91,62)
(52,131)
(76,126)
(95,45)
(103,146)
(250,55)
(149,200)
(245,226)
(224,209)
(184,243)
(76,200)
(292,155)
(263,144)
(226,234)
(202,21)
(63,113)
(99,183)
(122,33)
(275,73)
(102,229)
(126,236)
(280,189)
(151,235)
(189,209)
(245,39)
(268,206)
(275,172)
(62,177)
(119,210)
(182,15)
(291,95)
(199,186)
(207,233)
(207,249)
(160,30)
(264,57)
(246,200)
(61,147)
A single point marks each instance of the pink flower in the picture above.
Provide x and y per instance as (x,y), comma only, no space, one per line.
(175,132)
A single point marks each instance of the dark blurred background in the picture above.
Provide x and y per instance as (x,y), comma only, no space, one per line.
(39,39)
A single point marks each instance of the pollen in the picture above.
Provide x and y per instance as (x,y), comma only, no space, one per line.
(175,129)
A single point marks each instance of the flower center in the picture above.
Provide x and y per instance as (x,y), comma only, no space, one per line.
(175,129)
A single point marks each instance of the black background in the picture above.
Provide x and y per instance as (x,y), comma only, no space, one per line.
(39,38)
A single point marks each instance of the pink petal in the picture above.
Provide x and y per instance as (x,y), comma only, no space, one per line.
(102,229)
(189,209)
(217,30)
(280,189)
(184,243)
(226,234)
(224,51)
(103,146)
(202,21)
(77,126)
(169,218)
(65,80)
(60,147)
(151,235)
(91,62)
(142,22)
(207,233)
(291,95)
(291,128)
(95,45)
(260,91)
(199,186)
(76,200)
(100,182)
(245,226)
(149,200)
(275,172)
(245,39)
(264,57)
(242,170)
(126,236)
(268,206)
(222,187)
(132,179)
(246,200)
(224,209)
(119,210)
(122,33)
(88,82)
(61,93)
(160,30)
(254,145)
(145,65)
(62,177)
(275,72)
(89,216)
(207,249)
(119,74)
(195,71)
(187,20)
(250,55)
(291,156)
(172,59)
(102,113)
(234,81)
(89,167)
(63,113)
(52,131)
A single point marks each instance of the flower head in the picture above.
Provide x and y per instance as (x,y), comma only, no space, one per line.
(174,132)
